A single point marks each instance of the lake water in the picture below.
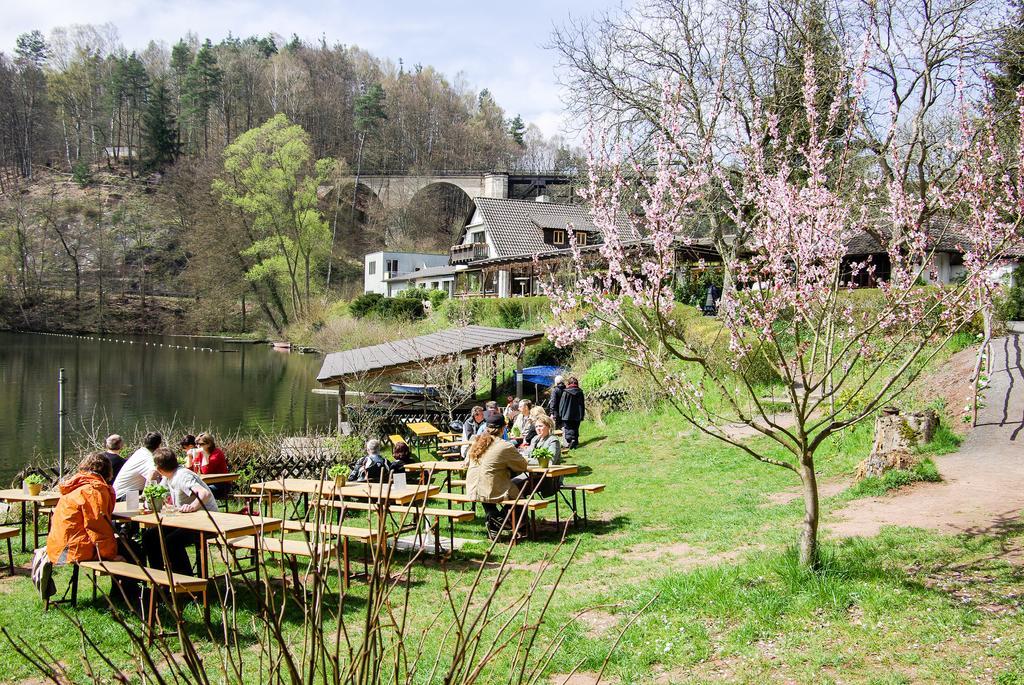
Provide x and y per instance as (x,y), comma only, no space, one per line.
(145,381)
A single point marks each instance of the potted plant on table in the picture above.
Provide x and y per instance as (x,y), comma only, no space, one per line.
(155,495)
(339,472)
(34,483)
(543,456)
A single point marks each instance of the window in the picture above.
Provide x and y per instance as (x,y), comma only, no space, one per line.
(392,266)
(477,237)
(372,268)
(558,237)
(581,238)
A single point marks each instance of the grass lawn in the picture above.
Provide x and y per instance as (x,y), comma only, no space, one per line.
(700,535)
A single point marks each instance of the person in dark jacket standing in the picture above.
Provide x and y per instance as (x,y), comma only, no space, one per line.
(571,409)
(556,395)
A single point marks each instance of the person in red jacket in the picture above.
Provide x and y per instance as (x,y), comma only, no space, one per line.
(209,460)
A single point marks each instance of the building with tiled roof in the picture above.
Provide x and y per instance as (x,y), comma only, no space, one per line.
(504,240)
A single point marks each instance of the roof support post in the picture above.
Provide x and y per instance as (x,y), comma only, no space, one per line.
(494,375)
(341,407)
(519,376)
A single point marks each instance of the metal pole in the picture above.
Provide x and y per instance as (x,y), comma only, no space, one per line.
(60,424)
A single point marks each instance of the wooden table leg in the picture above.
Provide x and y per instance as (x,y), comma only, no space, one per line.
(24,525)
(204,572)
(35,525)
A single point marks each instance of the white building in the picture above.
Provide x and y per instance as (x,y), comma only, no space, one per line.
(381,267)
(430,278)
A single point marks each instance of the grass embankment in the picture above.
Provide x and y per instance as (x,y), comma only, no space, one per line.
(706,529)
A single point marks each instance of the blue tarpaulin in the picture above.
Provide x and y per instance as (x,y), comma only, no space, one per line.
(542,375)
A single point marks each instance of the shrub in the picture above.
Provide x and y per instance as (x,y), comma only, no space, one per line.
(375,304)
(600,374)
(1011,305)
(364,304)
(81,173)
(517,312)
(435,297)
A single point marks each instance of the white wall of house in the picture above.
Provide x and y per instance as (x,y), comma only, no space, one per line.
(473,228)
(378,266)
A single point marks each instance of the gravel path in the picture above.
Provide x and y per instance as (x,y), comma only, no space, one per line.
(983,483)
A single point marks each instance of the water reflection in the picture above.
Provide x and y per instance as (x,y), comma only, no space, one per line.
(147,380)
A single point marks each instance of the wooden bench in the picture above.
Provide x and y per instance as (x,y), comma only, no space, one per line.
(451,515)
(344,533)
(395,439)
(289,549)
(175,582)
(584,489)
(8,533)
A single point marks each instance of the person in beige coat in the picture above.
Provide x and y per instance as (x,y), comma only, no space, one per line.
(491,464)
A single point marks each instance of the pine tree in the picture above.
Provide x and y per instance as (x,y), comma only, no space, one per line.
(201,88)
(160,129)
(517,129)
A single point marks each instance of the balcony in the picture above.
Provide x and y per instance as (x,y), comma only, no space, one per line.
(469,252)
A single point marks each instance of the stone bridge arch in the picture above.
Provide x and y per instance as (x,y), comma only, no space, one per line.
(398,191)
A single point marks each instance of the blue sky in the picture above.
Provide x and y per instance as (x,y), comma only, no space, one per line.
(496,45)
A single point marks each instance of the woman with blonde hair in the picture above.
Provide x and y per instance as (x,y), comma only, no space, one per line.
(491,463)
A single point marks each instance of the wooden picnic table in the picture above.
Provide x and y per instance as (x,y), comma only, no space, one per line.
(43,499)
(208,524)
(376,492)
(293,486)
(423,433)
(219,478)
(449,467)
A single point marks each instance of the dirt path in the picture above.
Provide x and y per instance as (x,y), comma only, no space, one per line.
(983,484)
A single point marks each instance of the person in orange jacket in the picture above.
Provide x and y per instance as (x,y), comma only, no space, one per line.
(81,528)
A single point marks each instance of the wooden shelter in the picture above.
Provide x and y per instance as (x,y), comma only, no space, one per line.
(466,342)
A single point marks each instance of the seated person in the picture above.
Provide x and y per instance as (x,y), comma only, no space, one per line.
(80,528)
(210,459)
(523,425)
(511,408)
(114,444)
(491,464)
(188,493)
(546,437)
(188,444)
(473,427)
(371,468)
(491,409)
(138,470)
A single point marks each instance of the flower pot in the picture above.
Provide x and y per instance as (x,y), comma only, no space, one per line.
(34,489)
(339,482)
(156,504)
(543,462)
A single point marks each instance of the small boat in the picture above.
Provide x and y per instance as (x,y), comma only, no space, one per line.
(414,389)
(282,345)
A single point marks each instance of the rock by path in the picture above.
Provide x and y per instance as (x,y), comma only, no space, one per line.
(983,483)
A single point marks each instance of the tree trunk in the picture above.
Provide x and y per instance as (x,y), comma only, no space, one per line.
(809,531)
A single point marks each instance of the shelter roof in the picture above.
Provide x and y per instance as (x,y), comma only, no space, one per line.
(411,353)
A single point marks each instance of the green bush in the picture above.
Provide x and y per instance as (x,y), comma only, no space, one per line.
(395,308)
(1011,305)
(81,173)
(364,304)
(600,374)
(436,297)
(545,353)
(515,312)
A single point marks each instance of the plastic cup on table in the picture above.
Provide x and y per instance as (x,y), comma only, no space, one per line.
(131,500)
(398,481)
